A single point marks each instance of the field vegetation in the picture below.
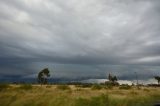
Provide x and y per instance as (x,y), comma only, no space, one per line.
(77,95)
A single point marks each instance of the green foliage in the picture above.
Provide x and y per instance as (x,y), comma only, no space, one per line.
(157,78)
(126,87)
(96,87)
(42,76)
(63,87)
(112,78)
(25,86)
(94,101)
(4,86)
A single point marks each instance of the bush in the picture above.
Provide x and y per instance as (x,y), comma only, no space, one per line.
(4,86)
(96,87)
(126,87)
(63,87)
(26,86)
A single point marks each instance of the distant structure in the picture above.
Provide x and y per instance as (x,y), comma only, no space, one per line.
(137,80)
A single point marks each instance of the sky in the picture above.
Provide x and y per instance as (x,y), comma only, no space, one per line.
(80,38)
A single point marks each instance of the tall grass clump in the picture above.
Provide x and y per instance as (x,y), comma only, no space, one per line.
(63,87)
(94,101)
(25,86)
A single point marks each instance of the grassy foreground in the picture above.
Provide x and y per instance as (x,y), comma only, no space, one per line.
(70,95)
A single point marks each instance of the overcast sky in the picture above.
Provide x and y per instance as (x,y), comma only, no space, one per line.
(80,38)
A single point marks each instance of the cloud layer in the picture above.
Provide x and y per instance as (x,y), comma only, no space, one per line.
(80,38)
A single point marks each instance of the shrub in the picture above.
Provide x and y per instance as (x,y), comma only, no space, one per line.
(96,87)
(126,87)
(4,86)
(26,86)
(63,87)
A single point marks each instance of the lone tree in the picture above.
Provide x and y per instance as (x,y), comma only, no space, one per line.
(112,80)
(43,75)
(157,78)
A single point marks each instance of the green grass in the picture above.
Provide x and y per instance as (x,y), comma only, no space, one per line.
(101,100)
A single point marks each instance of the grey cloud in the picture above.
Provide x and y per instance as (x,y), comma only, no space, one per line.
(80,33)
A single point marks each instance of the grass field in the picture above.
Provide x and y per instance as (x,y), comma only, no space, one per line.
(71,95)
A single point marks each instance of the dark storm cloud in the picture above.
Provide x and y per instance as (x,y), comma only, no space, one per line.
(80,34)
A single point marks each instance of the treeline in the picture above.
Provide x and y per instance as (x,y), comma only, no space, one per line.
(44,74)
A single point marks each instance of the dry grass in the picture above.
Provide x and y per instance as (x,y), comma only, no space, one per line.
(75,96)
